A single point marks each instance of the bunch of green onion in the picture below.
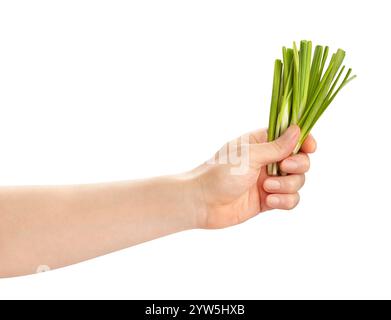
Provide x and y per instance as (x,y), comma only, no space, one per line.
(303,87)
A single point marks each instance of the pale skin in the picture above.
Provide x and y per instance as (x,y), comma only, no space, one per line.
(56,226)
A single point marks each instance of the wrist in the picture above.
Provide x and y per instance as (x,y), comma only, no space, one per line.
(192,199)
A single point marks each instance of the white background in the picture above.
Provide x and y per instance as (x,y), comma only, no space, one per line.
(111,90)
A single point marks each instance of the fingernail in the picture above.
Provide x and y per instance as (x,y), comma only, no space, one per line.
(272,184)
(290,165)
(273,201)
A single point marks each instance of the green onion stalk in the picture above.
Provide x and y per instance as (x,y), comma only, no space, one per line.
(304,85)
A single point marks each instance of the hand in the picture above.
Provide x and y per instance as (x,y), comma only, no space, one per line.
(228,197)
(84,221)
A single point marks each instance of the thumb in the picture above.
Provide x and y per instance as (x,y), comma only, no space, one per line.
(277,150)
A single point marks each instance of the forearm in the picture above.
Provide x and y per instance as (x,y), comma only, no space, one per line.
(58,226)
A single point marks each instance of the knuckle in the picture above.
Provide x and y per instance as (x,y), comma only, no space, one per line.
(307,162)
(290,204)
(303,179)
(291,184)
(293,201)
(277,146)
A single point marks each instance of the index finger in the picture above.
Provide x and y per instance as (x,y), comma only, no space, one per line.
(309,145)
